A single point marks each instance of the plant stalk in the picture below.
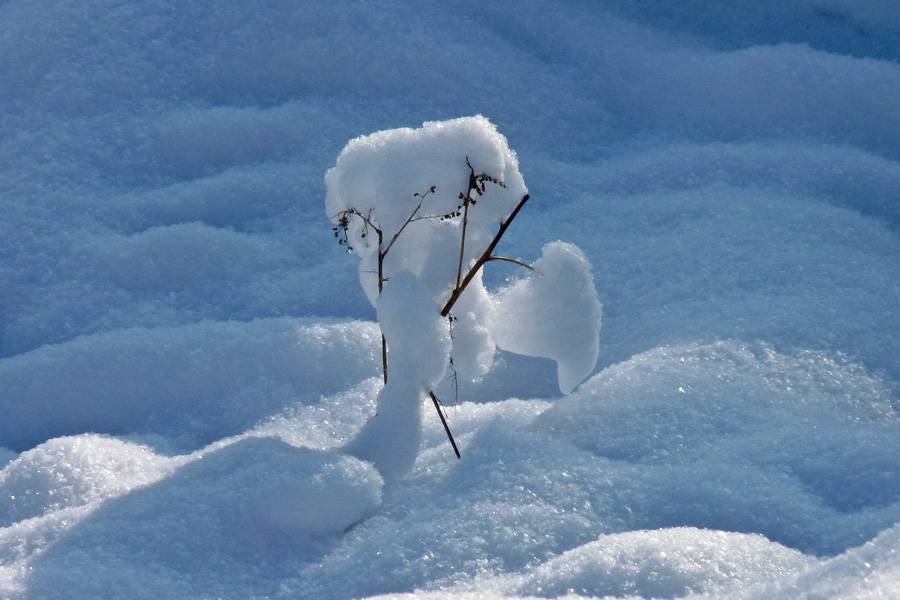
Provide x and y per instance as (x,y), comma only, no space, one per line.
(381,254)
(512,260)
(486,256)
(437,406)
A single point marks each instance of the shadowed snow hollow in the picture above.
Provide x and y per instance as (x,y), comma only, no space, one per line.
(191,384)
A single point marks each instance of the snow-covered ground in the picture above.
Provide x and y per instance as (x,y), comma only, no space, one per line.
(185,349)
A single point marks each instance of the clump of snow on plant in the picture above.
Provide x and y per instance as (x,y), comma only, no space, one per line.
(420,207)
(555,314)
(417,360)
(385,176)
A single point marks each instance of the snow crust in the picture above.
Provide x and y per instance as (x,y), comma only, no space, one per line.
(186,355)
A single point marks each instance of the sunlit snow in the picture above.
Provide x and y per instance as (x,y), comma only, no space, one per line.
(187,355)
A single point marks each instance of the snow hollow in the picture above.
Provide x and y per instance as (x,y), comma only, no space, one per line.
(190,361)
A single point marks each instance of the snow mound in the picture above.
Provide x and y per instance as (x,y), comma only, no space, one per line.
(739,437)
(673,399)
(315,494)
(192,384)
(871,571)
(255,508)
(666,563)
(72,471)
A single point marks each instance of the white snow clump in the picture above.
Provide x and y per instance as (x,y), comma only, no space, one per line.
(555,314)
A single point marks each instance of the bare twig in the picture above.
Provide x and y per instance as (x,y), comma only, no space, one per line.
(512,260)
(454,375)
(384,366)
(462,242)
(486,256)
(410,219)
(437,406)
(384,357)
(473,184)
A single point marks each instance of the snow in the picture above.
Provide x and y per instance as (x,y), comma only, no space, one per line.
(418,354)
(257,499)
(209,379)
(663,563)
(554,314)
(74,471)
(187,356)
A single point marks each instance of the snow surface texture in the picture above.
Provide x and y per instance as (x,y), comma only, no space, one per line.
(184,349)
(421,252)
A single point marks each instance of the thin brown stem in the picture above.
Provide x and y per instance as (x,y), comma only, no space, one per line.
(512,260)
(473,184)
(384,364)
(380,264)
(410,219)
(437,406)
(486,256)
(462,240)
(384,357)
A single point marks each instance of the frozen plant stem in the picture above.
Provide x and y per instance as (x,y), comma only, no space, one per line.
(473,184)
(512,260)
(437,406)
(485,256)
(409,219)
(380,288)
